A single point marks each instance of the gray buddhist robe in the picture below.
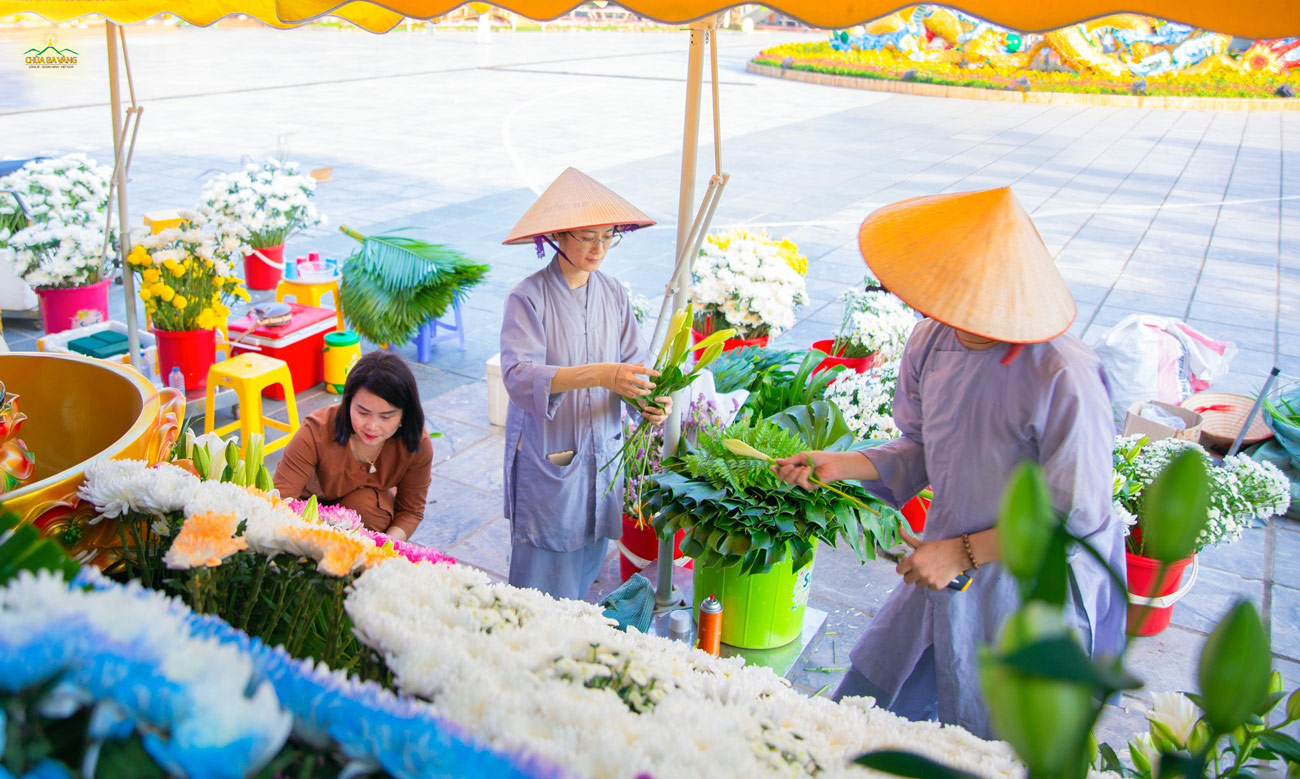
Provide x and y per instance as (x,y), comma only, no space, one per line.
(547,326)
(967,421)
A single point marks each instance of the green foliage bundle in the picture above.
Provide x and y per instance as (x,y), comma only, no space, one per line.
(779,389)
(736,512)
(393,284)
(741,369)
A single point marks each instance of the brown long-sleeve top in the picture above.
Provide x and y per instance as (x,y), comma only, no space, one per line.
(391,497)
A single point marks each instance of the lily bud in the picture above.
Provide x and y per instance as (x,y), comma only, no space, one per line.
(1234,673)
(1047,721)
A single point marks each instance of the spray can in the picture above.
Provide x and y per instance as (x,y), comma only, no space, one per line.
(710,631)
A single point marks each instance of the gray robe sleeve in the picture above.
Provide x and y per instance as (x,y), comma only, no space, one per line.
(901,462)
(524,371)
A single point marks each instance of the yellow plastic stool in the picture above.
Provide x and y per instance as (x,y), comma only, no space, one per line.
(248,374)
(157,221)
(309,293)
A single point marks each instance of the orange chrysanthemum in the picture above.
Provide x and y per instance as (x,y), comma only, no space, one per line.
(204,540)
(337,553)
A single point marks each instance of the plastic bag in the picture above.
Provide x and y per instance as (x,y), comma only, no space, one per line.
(1157,358)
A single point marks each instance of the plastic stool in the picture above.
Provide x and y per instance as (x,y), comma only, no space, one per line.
(248,374)
(427,335)
(310,293)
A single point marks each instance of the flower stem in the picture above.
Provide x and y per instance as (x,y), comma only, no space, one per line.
(256,592)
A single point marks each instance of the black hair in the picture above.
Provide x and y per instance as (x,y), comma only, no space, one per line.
(388,376)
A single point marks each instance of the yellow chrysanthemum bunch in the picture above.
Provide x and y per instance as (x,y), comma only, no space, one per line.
(186,277)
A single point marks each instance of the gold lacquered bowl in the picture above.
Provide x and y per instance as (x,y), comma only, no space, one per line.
(80,410)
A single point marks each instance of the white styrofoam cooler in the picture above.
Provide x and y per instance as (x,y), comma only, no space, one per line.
(497,398)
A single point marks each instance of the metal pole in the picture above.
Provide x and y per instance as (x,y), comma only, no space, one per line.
(123,214)
(665,597)
(1259,401)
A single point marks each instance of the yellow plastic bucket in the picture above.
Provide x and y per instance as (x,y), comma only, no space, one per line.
(342,350)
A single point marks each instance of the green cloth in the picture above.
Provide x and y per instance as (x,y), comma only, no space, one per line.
(632,604)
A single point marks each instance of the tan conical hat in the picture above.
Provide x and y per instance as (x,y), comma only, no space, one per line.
(574,201)
(972,260)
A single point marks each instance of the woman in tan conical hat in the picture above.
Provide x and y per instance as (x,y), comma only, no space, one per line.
(988,380)
(570,352)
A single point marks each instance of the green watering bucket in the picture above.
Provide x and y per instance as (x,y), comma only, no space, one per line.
(759,611)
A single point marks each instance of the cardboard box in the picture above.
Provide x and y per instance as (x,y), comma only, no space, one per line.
(1134,424)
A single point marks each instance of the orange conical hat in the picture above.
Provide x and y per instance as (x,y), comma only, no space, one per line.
(972,260)
(574,201)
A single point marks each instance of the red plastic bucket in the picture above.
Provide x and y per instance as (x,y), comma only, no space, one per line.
(63,308)
(1151,605)
(914,512)
(193,351)
(261,274)
(729,344)
(855,364)
(639,548)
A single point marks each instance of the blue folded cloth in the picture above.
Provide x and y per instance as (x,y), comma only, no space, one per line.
(632,604)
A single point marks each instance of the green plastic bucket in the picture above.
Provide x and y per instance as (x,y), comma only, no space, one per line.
(759,611)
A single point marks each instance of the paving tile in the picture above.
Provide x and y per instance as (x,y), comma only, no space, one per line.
(487,548)
(467,403)
(1284,623)
(456,437)
(1286,554)
(1212,596)
(1243,557)
(479,465)
(454,511)
(1166,662)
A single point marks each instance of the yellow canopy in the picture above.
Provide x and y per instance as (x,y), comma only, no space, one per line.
(197,12)
(1249,19)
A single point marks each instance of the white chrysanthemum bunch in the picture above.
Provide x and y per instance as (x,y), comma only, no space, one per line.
(874,322)
(120,487)
(641,308)
(67,199)
(867,401)
(1241,490)
(270,201)
(519,669)
(749,282)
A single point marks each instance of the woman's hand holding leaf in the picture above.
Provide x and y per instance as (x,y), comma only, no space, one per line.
(628,382)
(658,414)
(807,469)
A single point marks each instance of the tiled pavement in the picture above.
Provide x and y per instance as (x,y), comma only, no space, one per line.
(1186,214)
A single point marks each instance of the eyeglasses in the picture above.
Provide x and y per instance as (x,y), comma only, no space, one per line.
(608,241)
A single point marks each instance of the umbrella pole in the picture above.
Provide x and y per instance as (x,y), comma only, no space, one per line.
(665,595)
(123,215)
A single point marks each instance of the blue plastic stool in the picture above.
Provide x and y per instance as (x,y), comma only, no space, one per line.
(427,335)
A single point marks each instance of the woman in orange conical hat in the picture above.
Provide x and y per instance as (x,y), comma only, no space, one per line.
(990,379)
(570,354)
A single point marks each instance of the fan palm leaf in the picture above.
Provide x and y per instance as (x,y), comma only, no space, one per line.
(393,284)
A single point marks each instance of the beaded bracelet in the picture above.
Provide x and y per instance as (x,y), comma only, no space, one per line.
(965,541)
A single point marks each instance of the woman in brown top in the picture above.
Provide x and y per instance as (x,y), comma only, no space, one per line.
(369,453)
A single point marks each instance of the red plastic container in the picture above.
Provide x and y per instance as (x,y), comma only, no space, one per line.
(729,344)
(914,512)
(643,542)
(300,343)
(855,364)
(1150,620)
(260,274)
(193,351)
